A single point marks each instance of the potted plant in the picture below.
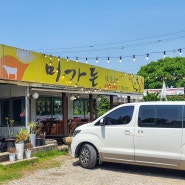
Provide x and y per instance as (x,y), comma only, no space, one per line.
(40,135)
(10,123)
(20,138)
(33,129)
(28,147)
(12,152)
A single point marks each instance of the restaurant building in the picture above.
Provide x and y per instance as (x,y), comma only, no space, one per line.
(53,90)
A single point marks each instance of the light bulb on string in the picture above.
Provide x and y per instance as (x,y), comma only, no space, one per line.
(108,60)
(147,56)
(86,60)
(76,59)
(58,58)
(164,54)
(96,59)
(120,59)
(180,52)
(134,58)
(50,61)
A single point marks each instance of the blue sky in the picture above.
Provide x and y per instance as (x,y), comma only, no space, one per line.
(96,28)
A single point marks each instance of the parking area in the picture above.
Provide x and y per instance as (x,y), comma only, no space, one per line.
(71,173)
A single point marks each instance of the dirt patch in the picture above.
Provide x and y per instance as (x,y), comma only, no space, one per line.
(55,162)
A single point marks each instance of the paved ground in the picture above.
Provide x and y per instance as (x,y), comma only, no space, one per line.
(70,173)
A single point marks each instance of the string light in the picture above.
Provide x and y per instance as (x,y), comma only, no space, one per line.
(147,56)
(50,61)
(76,59)
(180,52)
(96,59)
(164,54)
(134,58)
(108,60)
(120,59)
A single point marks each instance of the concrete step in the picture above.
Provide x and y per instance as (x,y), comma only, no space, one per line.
(4,156)
(7,163)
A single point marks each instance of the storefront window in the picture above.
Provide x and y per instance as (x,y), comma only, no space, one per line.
(11,108)
(48,107)
(81,108)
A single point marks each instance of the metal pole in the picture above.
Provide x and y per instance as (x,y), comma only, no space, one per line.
(27,106)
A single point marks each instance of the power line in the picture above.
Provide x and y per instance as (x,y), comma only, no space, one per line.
(92,47)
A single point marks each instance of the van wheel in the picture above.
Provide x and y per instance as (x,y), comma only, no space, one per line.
(87,156)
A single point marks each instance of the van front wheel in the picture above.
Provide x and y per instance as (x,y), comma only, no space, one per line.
(88,156)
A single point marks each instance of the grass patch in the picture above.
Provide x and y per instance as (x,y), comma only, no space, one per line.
(45,160)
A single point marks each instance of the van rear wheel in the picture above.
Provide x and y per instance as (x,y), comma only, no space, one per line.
(88,156)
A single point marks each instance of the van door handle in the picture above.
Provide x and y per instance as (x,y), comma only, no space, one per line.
(139,133)
(127,132)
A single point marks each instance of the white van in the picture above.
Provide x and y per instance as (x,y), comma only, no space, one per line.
(142,133)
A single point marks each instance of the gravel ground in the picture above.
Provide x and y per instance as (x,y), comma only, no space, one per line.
(70,173)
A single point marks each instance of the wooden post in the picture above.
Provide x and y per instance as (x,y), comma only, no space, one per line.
(128,99)
(64,112)
(111,102)
(91,107)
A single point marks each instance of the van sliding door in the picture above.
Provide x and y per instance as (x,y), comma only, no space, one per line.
(158,135)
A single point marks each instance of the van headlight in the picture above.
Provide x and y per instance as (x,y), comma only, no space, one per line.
(76,132)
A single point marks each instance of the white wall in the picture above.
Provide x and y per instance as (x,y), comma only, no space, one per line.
(11,91)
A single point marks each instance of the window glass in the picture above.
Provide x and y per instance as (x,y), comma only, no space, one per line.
(4,111)
(122,115)
(48,107)
(17,109)
(11,108)
(183,117)
(57,104)
(166,116)
(81,108)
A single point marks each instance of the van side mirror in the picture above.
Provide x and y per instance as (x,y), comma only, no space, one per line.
(102,122)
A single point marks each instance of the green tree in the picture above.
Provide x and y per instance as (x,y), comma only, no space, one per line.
(151,96)
(104,105)
(171,69)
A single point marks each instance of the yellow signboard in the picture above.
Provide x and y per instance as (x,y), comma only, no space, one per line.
(22,65)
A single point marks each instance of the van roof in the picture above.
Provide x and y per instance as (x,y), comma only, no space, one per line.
(157,102)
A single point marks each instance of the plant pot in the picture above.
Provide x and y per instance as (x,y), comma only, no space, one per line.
(10,142)
(28,154)
(12,157)
(38,141)
(20,150)
(67,140)
(43,141)
(33,139)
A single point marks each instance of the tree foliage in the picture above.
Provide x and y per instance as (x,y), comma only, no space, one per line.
(151,96)
(171,69)
(104,105)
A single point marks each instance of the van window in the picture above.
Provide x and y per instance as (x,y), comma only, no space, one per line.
(122,115)
(165,116)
